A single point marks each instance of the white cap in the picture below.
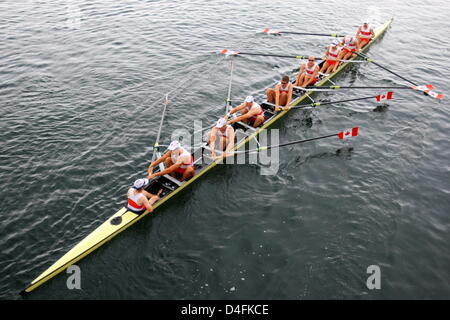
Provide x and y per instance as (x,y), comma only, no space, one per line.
(249,99)
(140,183)
(221,122)
(335,43)
(174,145)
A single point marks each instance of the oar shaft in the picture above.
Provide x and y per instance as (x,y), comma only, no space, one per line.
(349,87)
(228,102)
(272,55)
(384,68)
(166,102)
(288,143)
(316,104)
(301,141)
(313,34)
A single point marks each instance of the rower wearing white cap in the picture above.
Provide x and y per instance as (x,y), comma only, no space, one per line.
(364,34)
(179,163)
(331,63)
(251,113)
(225,133)
(140,200)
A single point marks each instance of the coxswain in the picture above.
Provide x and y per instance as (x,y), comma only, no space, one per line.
(140,200)
(251,113)
(307,74)
(179,163)
(331,58)
(348,45)
(225,133)
(364,34)
(282,94)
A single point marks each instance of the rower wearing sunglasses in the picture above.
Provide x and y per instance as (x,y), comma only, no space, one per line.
(308,73)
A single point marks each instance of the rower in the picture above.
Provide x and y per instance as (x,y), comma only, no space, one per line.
(251,113)
(281,95)
(140,200)
(348,45)
(179,163)
(364,34)
(225,133)
(308,73)
(331,63)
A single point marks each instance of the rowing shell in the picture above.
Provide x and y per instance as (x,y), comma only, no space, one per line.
(123,218)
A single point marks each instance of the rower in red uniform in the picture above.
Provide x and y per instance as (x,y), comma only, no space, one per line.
(179,163)
(251,113)
(331,63)
(281,95)
(348,45)
(364,35)
(140,200)
(307,74)
(225,133)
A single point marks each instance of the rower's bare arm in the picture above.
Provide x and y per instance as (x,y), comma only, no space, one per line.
(170,169)
(147,204)
(316,71)
(236,109)
(147,194)
(277,95)
(242,117)
(212,141)
(237,119)
(300,72)
(230,145)
(289,98)
(156,162)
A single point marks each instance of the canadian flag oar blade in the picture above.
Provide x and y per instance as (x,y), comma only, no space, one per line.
(229,52)
(435,95)
(425,87)
(268,31)
(385,96)
(353,132)
(428,89)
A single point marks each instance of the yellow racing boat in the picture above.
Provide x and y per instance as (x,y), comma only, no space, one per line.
(123,218)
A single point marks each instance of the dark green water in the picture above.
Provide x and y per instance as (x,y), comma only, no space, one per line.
(80,89)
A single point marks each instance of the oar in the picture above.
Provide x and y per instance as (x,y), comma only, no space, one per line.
(156,145)
(425,89)
(347,133)
(228,52)
(234,53)
(365,57)
(334,35)
(381,97)
(331,88)
(228,102)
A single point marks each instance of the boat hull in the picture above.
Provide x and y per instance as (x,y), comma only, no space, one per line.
(109,229)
